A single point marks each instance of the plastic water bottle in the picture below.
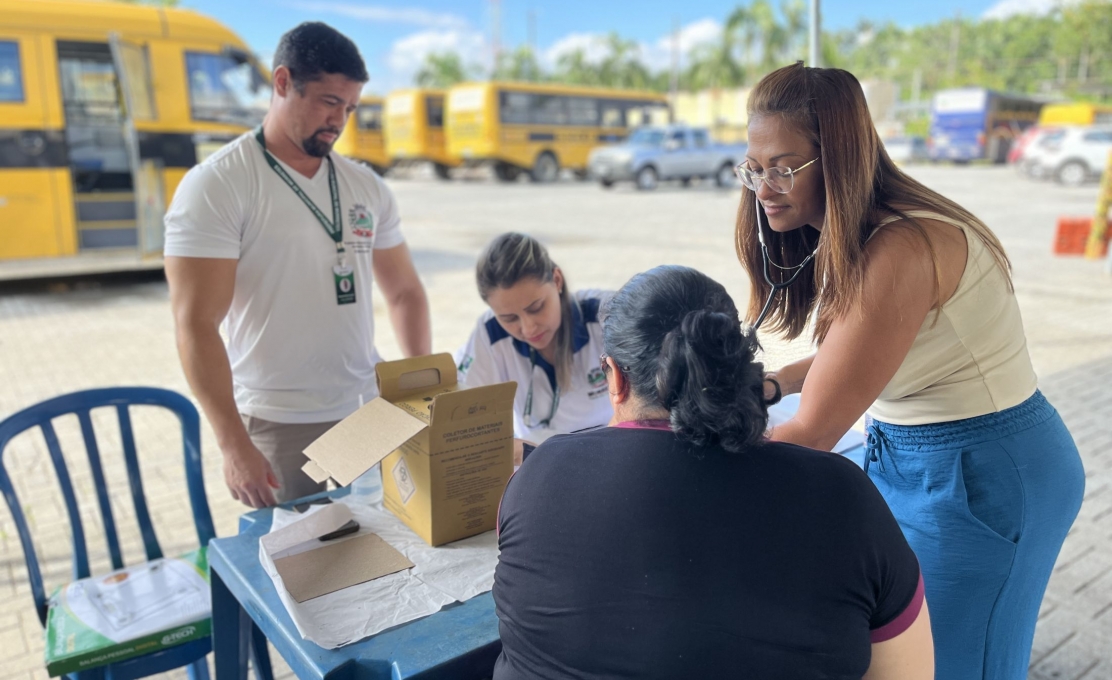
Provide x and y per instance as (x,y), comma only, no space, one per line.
(367,487)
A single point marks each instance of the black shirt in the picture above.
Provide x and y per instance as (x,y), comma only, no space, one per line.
(626,553)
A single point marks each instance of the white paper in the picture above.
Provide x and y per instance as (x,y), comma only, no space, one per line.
(449,573)
(785,410)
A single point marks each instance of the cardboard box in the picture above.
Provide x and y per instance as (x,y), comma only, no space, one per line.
(128,613)
(446,453)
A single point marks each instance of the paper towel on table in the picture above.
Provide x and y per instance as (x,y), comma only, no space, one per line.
(785,411)
(454,572)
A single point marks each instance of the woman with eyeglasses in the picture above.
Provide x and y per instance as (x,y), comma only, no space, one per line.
(917,325)
(680,543)
(540,335)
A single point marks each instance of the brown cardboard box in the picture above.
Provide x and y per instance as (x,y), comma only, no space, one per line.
(446,453)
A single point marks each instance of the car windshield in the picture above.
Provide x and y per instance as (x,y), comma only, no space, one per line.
(646,137)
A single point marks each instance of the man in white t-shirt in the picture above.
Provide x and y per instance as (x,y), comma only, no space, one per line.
(279,239)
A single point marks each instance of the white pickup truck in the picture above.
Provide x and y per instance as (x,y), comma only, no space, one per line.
(654,154)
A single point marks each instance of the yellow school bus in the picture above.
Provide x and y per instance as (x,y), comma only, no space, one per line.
(415,130)
(1075,113)
(103,108)
(363,137)
(539,129)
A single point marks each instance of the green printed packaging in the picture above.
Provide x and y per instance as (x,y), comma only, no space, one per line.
(128,613)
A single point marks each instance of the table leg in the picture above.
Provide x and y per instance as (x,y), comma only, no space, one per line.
(231,632)
(260,654)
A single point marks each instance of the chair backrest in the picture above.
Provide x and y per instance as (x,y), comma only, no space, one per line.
(80,404)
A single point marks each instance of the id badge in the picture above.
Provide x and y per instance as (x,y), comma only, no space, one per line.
(345,284)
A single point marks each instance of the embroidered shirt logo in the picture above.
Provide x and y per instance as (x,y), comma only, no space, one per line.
(361,221)
(596,377)
(466,364)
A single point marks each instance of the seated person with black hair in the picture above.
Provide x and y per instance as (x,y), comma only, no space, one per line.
(680,543)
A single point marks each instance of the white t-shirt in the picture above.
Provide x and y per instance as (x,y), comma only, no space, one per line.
(492,355)
(297,356)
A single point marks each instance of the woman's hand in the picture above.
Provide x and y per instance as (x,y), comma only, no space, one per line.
(789,377)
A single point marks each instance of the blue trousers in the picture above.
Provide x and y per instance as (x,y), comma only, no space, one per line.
(985,504)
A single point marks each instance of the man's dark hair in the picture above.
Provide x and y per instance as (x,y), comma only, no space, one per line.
(314,49)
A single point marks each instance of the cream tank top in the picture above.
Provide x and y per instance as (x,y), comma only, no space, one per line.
(970,357)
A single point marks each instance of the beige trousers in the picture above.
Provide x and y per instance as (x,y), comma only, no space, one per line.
(282,445)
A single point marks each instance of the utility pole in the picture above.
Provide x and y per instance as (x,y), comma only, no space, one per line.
(531,40)
(674,86)
(955,42)
(495,33)
(916,85)
(816,35)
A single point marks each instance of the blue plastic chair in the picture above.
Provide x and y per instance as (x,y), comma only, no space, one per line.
(191,654)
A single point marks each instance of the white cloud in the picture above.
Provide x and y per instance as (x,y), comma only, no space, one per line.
(385,15)
(657,55)
(1007,8)
(592,45)
(408,53)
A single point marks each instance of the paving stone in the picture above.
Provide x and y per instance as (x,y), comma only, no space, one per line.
(118,331)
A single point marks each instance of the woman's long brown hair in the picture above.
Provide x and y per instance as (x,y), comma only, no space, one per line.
(862,187)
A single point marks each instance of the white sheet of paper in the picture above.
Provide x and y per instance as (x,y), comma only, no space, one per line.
(454,572)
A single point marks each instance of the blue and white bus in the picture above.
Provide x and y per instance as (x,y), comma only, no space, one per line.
(972,123)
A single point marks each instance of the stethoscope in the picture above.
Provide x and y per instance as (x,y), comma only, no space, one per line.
(776,287)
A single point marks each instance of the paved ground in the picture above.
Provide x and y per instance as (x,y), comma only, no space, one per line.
(117,331)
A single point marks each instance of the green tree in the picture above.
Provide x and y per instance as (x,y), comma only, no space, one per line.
(521,64)
(442,70)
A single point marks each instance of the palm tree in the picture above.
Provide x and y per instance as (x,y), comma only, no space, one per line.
(573,68)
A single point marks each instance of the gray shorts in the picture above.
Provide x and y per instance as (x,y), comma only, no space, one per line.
(282,445)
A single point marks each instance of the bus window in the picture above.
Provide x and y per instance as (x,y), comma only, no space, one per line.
(515,107)
(583,111)
(549,110)
(434,110)
(369,116)
(613,114)
(11,75)
(225,89)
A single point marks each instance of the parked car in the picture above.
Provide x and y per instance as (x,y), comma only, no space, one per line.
(1072,156)
(654,154)
(1031,146)
(906,149)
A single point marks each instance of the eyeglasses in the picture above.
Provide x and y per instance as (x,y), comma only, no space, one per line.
(780,180)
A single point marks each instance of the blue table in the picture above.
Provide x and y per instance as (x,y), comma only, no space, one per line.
(460,641)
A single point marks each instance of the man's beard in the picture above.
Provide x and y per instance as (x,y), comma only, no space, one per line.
(316,147)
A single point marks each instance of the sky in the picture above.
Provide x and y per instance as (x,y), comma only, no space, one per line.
(395,37)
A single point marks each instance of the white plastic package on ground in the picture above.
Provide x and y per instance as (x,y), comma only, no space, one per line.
(450,573)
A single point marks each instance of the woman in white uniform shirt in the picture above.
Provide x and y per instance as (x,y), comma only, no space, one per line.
(540,335)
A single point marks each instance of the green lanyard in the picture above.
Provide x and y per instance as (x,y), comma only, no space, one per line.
(334,228)
(528,412)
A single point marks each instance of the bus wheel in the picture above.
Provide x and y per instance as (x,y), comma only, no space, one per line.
(506,172)
(442,171)
(646,178)
(546,169)
(606,183)
(582,175)
(381,170)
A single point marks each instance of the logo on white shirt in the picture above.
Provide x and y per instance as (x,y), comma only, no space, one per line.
(361,221)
